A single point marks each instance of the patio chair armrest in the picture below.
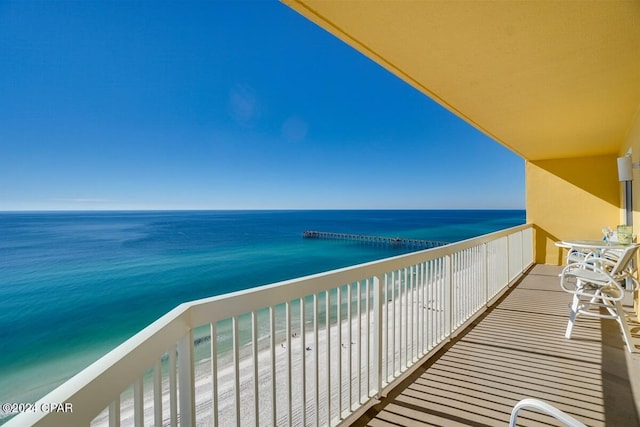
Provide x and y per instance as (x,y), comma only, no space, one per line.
(543,407)
(574,270)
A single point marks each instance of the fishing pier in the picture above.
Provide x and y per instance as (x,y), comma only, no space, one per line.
(374,240)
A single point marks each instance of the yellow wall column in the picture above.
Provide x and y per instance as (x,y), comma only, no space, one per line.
(571,199)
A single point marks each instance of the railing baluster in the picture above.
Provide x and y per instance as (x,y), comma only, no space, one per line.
(316,380)
(438,316)
(393,325)
(287,313)
(471,268)
(460,305)
(420,310)
(470,282)
(507,259)
(485,273)
(254,355)
(433,301)
(459,287)
(415,294)
(423,308)
(328,361)
(412,316)
(157,393)
(410,352)
(173,389)
(449,294)
(186,380)
(303,350)
(400,294)
(439,312)
(377,327)
(405,286)
(387,330)
(349,345)
(138,403)
(462,288)
(359,342)
(341,344)
(475,279)
(468,285)
(272,338)
(236,367)
(428,307)
(114,413)
(214,373)
(368,334)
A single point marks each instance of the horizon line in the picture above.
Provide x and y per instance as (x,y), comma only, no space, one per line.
(255,210)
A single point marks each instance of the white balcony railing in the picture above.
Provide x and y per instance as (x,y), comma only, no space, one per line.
(308,351)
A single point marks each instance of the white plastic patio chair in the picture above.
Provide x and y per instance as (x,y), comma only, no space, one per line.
(599,284)
(613,254)
(575,254)
(544,407)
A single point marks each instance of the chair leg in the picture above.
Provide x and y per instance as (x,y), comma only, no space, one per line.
(626,332)
(572,316)
(612,308)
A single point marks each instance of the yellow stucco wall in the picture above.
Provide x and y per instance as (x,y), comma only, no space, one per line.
(571,199)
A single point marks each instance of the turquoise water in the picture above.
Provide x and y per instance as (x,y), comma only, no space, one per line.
(73,285)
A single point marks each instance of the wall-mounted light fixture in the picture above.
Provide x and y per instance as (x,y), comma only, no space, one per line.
(625,175)
(625,167)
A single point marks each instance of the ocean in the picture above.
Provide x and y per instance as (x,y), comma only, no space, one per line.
(73,285)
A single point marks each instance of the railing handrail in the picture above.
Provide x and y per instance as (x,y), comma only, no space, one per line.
(133,357)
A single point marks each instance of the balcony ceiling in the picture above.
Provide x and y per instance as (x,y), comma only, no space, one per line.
(545,79)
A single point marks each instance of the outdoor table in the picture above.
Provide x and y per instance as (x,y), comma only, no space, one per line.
(580,249)
(595,245)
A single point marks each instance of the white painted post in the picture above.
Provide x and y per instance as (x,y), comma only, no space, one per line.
(485,275)
(236,366)
(138,403)
(186,380)
(272,332)
(287,312)
(316,375)
(157,392)
(377,327)
(303,347)
(449,293)
(339,326)
(254,354)
(173,386)
(114,413)
(214,373)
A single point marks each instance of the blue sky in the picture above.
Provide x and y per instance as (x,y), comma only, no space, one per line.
(222,105)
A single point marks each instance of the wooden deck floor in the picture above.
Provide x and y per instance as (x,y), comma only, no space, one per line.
(518,350)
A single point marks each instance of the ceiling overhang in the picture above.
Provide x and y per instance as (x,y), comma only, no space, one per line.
(545,79)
